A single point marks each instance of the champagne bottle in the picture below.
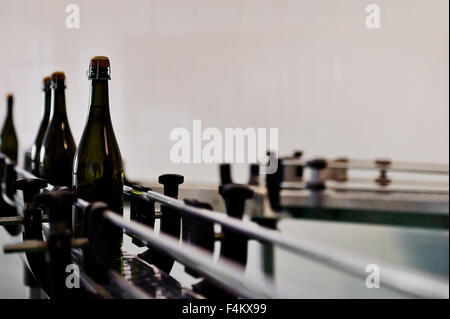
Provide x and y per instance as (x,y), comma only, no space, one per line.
(8,137)
(98,169)
(45,115)
(58,147)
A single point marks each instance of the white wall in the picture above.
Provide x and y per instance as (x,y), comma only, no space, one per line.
(310,68)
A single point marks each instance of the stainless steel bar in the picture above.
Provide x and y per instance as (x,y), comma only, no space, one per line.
(81,203)
(404,280)
(28,246)
(13,220)
(32,246)
(368,185)
(228,275)
(397,166)
(426,204)
(400,166)
(407,281)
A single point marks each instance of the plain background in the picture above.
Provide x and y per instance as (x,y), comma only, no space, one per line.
(310,68)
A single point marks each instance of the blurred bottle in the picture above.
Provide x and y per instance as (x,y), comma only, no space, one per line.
(8,137)
(58,147)
(45,115)
(98,169)
(27,160)
(254,175)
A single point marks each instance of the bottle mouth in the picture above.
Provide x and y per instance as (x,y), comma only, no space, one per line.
(99,68)
(58,75)
(46,83)
(58,80)
(9,99)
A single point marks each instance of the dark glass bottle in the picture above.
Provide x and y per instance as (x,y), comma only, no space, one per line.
(27,160)
(45,116)
(8,137)
(58,147)
(98,169)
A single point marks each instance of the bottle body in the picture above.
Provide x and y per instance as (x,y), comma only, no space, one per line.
(58,146)
(8,137)
(98,169)
(45,116)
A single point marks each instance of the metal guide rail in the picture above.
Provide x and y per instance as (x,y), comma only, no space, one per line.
(336,190)
(364,164)
(226,278)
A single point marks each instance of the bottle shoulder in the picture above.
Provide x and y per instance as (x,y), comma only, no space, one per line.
(59,133)
(56,147)
(8,128)
(97,150)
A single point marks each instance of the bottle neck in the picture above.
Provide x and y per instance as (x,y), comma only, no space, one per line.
(46,105)
(58,105)
(99,103)
(9,112)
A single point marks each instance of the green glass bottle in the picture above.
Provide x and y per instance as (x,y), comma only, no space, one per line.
(8,137)
(58,147)
(98,169)
(45,116)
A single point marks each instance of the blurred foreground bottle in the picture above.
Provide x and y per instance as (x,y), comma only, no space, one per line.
(27,160)
(45,115)
(58,147)
(8,137)
(98,169)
